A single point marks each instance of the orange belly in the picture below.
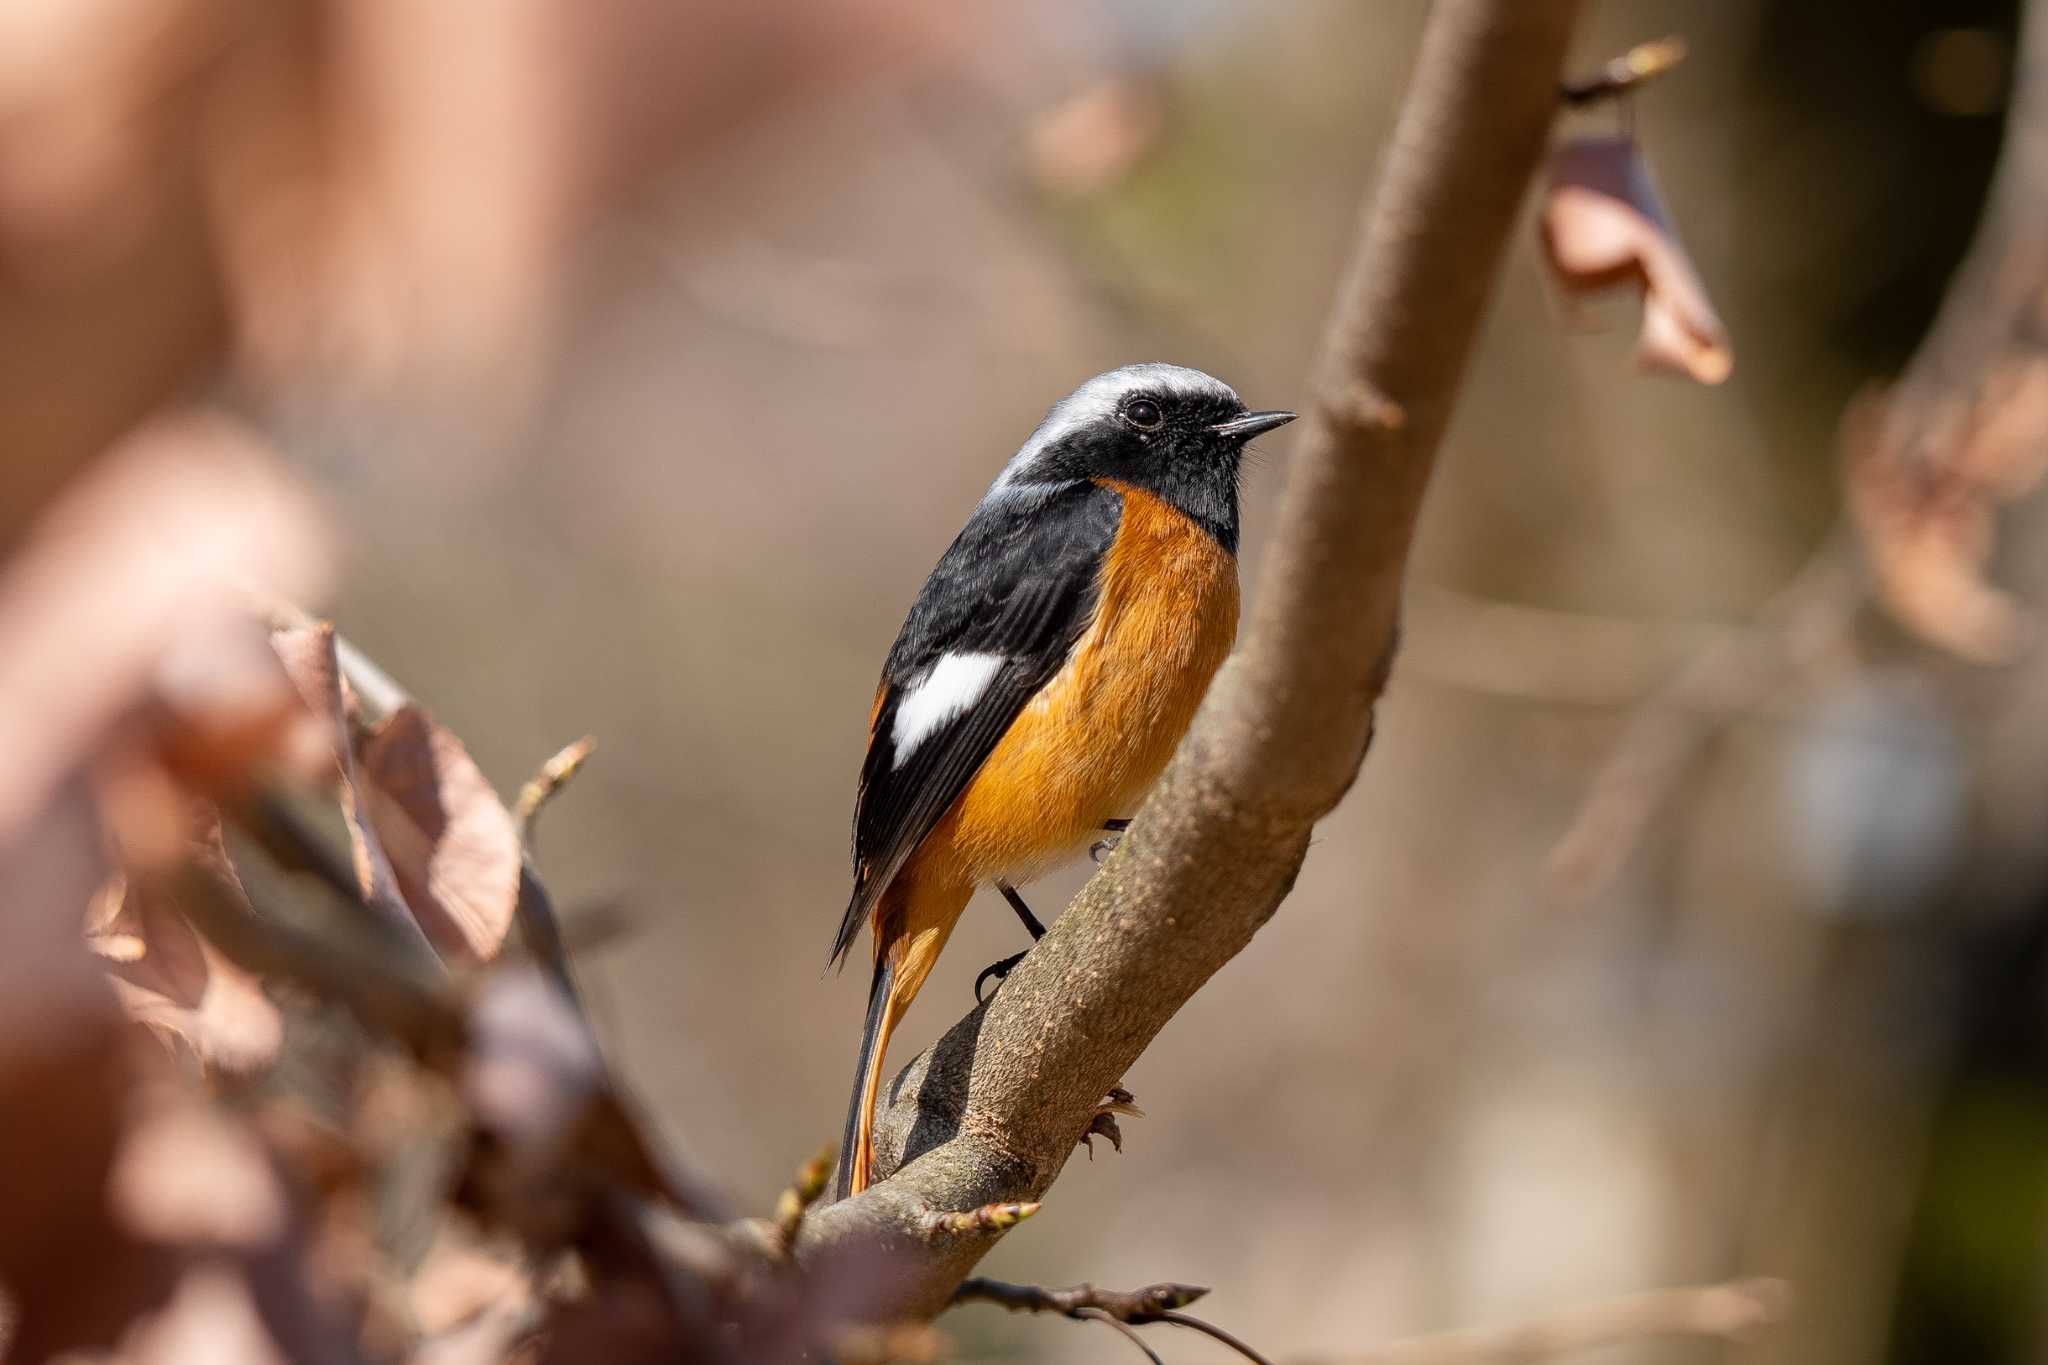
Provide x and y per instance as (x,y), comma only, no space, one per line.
(1097,736)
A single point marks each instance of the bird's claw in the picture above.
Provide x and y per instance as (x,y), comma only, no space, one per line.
(1114,835)
(1104,1125)
(998,970)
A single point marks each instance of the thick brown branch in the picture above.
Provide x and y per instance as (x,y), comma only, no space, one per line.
(992,1112)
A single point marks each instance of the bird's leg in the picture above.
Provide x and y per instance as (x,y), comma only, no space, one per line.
(1119,1100)
(999,970)
(1098,851)
(1102,848)
(1031,924)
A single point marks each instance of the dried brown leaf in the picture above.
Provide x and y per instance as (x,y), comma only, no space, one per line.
(1603,227)
(1924,509)
(454,848)
(181,986)
(308,655)
(2005,450)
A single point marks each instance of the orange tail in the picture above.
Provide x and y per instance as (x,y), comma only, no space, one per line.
(919,924)
(855,1149)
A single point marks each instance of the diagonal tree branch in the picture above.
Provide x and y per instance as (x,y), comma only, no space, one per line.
(992,1112)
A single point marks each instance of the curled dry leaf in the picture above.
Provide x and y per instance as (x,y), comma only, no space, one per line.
(308,655)
(434,846)
(1603,226)
(1925,475)
(452,845)
(175,982)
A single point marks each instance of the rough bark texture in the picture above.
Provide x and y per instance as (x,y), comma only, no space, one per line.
(993,1110)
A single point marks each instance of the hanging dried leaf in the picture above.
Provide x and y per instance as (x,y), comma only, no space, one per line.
(308,654)
(453,846)
(1924,480)
(1604,227)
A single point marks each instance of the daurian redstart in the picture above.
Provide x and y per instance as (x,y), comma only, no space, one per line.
(1050,665)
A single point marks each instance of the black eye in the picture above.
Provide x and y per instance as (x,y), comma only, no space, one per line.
(1142,413)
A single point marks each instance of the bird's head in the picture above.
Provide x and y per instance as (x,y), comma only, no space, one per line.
(1172,431)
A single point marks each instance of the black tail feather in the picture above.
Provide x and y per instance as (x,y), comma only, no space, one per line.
(870,1039)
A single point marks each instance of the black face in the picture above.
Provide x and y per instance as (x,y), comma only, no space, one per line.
(1182,443)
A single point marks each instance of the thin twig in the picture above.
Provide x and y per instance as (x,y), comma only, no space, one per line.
(534,915)
(1626,74)
(540,933)
(1210,1329)
(989,1218)
(542,786)
(1799,629)
(540,929)
(805,1191)
(377,690)
(296,846)
(1125,1305)
(384,990)
(1129,1333)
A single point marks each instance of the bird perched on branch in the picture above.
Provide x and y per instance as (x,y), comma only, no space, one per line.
(1047,671)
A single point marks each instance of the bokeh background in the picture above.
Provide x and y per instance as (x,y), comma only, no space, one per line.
(1774,1005)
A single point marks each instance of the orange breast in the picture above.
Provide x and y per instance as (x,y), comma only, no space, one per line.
(1098,735)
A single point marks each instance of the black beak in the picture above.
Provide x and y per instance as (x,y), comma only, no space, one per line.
(1250,424)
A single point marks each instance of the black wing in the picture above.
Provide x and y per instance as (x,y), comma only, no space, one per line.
(1020,583)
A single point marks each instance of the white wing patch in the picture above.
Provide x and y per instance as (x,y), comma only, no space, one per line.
(953,685)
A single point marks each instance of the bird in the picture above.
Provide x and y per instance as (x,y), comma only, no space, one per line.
(1044,676)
